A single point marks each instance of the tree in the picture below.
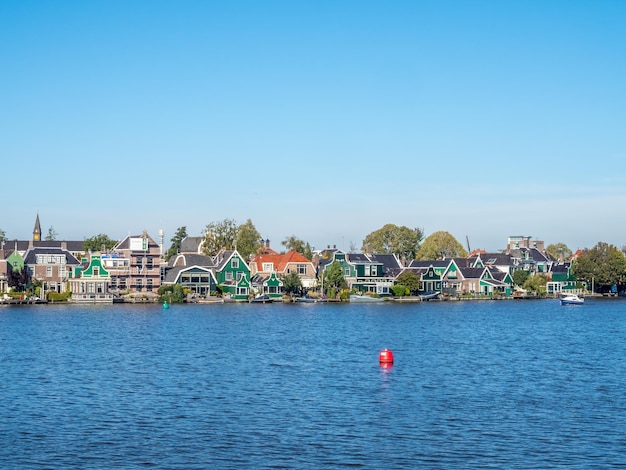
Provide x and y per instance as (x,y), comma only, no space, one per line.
(3,236)
(410,280)
(295,244)
(292,283)
(52,234)
(440,245)
(177,239)
(171,293)
(392,239)
(559,251)
(519,277)
(100,242)
(219,236)
(247,239)
(536,283)
(604,265)
(18,279)
(333,279)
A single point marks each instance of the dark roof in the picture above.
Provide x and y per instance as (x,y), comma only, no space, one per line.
(530,255)
(391,265)
(561,268)
(190,244)
(471,273)
(75,246)
(191,260)
(171,274)
(223,257)
(31,255)
(499,259)
(360,258)
(496,273)
(438,263)
(125,243)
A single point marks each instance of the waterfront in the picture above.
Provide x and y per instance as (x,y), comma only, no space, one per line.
(520,384)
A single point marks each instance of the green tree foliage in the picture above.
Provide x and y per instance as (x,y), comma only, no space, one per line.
(519,277)
(559,251)
(52,235)
(410,280)
(219,236)
(402,241)
(3,236)
(333,279)
(247,239)
(177,240)
(292,283)
(172,294)
(100,242)
(399,290)
(295,244)
(19,280)
(605,264)
(440,245)
(536,283)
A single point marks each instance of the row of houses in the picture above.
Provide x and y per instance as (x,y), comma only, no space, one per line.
(134,270)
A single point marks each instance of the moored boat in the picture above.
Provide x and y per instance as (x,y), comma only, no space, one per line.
(430,295)
(365,298)
(262,299)
(572,299)
(310,300)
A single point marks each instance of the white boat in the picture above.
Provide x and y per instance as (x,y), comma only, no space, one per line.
(365,298)
(572,299)
(429,295)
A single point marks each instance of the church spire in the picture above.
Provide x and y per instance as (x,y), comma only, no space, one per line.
(37,230)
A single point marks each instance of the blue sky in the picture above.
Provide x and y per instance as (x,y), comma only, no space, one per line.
(325,120)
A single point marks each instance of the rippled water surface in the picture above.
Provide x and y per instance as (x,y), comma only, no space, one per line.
(509,384)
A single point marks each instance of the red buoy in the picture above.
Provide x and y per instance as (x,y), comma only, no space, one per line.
(386,357)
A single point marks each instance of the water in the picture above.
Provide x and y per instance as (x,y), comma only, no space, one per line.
(515,384)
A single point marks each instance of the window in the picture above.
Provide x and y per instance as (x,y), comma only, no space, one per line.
(149,286)
(235,263)
(96,271)
(374,271)
(302,269)
(90,288)
(139,285)
(229,275)
(268,267)
(149,262)
(48,271)
(367,270)
(62,271)
(99,288)
(346,271)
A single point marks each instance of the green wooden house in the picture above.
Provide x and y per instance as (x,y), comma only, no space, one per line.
(90,281)
(232,274)
(268,284)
